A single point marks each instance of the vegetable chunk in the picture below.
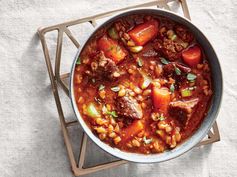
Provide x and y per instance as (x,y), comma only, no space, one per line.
(132,130)
(192,56)
(112,49)
(161,98)
(143,33)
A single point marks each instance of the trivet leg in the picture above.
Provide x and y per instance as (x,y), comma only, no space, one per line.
(213,136)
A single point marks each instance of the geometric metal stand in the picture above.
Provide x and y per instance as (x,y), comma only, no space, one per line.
(62,80)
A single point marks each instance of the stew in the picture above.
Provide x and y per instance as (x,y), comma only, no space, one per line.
(142,84)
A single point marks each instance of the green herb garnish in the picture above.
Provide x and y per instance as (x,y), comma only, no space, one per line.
(186,93)
(162,117)
(112,113)
(101,87)
(113,33)
(115,89)
(78,61)
(164,61)
(147,141)
(191,77)
(92,111)
(172,88)
(177,71)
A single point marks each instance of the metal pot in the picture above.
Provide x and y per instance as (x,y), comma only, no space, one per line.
(207,123)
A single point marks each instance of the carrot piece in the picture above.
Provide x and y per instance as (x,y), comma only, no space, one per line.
(132,130)
(161,98)
(142,33)
(192,56)
(112,49)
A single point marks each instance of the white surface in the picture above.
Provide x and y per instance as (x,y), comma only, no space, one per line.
(31,142)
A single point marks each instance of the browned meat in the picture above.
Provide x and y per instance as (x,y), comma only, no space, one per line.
(169,69)
(184,33)
(169,48)
(104,67)
(182,110)
(128,106)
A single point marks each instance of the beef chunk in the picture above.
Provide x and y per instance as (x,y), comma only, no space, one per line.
(169,48)
(182,110)
(128,106)
(184,33)
(103,67)
(168,70)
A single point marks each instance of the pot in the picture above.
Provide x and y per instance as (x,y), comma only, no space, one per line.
(206,124)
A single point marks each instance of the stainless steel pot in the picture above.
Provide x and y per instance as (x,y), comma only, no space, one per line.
(205,125)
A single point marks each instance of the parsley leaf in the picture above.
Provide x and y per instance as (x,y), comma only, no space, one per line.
(191,77)
(161,117)
(177,71)
(172,88)
(112,113)
(101,87)
(78,61)
(164,61)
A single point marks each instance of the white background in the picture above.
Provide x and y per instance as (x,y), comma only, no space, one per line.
(31,141)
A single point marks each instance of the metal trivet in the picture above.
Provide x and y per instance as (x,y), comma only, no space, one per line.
(57,79)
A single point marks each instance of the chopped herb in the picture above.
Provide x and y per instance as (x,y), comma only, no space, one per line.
(177,71)
(164,61)
(191,77)
(93,80)
(161,117)
(78,61)
(172,88)
(115,89)
(101,87)
(113,33)
(139,62)
(112,113)
(186,93)
(92,111)
(147,141)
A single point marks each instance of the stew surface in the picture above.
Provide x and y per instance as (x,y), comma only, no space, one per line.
(142,84)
